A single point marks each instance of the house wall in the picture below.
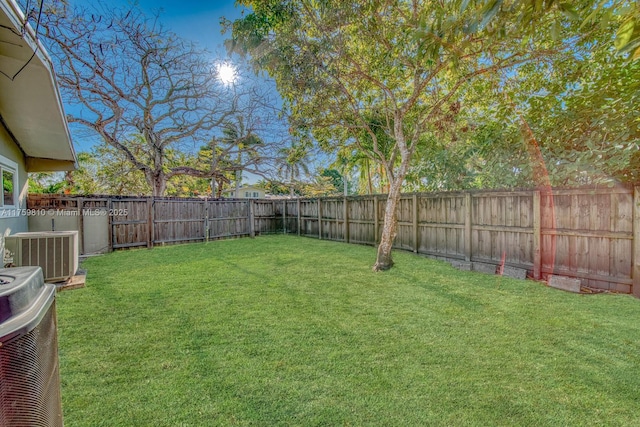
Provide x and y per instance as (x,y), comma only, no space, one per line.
(12,222)
(242,193)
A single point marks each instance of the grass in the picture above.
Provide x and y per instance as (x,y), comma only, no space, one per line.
(282,330)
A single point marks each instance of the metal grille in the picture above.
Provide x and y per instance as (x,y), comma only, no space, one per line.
(30,378)
(56,252)
(50,253)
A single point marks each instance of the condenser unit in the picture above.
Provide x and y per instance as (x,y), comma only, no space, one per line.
(29,370)
(56,252)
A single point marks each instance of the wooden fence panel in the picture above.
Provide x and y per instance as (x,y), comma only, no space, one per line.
(309,217)
(500,233)
(332,223)
(360,215)
(622,222)
(130,223)
(591,234)
(405,238)
(291,217)
(588,234)
(441,221)
(177,221)
(267,217)
(382,204)
(228,218)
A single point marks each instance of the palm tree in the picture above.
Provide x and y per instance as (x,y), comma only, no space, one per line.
(236,134)
(292,162)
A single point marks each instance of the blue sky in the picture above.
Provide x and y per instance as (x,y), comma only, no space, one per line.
(197,20)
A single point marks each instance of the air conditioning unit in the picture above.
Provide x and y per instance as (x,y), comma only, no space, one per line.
(56,252)
(29,371)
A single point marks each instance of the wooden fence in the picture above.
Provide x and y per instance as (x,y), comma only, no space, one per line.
(590,234)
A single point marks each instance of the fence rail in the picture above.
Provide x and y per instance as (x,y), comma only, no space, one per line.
(591,234)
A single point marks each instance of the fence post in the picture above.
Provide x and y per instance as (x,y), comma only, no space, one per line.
(537,236)
(299,217)
(284,216)
(206,220)
(636,243)
(252,220)
(416,230)
(319,219)
(375,219)
(345,208)
(110,225)
(336,201)
(80,206)
(150,229)
(468,221)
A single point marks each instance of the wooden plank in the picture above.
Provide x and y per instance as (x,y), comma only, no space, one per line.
(587,276)
(375,219)
(345,208)
(150,222)
(415,230)
(131,222)
(252,219)
(299,216)
(284,216)
(635,289)
(454,226)
(497,228)
(589,191)
(588,233)
(537,251)
(129,245)
(226,218)
(319,219)
(185,239)
(80,204)
(180,220)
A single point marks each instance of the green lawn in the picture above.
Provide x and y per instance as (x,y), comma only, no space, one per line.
(282,330)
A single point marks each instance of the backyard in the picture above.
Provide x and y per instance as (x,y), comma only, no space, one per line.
(284,330)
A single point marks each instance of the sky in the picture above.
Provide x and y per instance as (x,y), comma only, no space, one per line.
(194,20)
(197,20)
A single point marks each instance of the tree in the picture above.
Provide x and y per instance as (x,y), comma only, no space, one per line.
(273,187)
(139,87)
(105,170)
(336,179)
(46,182)
(292,164)
(387,67)
(237,136)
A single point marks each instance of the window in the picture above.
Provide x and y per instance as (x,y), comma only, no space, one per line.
(8,170)
(247,194)
(7,188)
(255,194)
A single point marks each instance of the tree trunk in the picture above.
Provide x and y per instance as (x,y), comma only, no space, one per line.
(369,182)
(219,191)
(389,228)
(158,183)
